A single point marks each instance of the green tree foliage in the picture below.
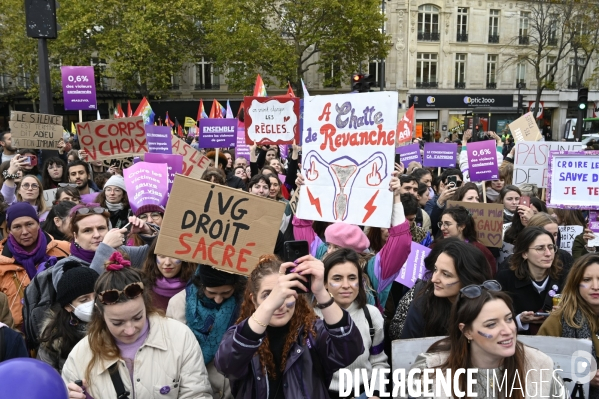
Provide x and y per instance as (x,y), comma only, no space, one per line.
(282,39)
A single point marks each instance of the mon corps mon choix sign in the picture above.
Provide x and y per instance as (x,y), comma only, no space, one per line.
(216,225)
(118,138)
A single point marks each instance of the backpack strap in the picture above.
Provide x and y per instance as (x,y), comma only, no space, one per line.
(117,381)
(369,320)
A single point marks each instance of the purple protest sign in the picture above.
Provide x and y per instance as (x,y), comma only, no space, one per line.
(78,88)
(482,160)
(409,153)
(414,268)
(242,150)
(284,150)
(159,139)
(440,155)
(594,226)
(217,132)
(149,183)
(174,162)
(89,198)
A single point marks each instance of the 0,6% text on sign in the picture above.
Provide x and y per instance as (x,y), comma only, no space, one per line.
(78,78)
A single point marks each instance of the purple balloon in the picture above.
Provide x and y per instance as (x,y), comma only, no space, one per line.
(31,378)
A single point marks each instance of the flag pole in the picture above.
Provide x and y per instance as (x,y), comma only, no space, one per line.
(80,116)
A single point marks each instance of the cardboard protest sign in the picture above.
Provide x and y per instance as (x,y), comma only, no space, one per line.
(219,133)
(147,184)
(219,226)
(242,150)
(271,120)
(573,180)
(488,219)
(49,196)
(568,235)
(348,153)
(531,160)
(159,139)
(482,161)
(409,153)
(113,138)
(525,128)
(294,200)
(440,155)
(35,131)
(414,268)
(174,162)
(194,163)
(120,163)
(78,88)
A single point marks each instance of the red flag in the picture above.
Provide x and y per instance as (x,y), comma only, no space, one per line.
(118,112)
(241,107)
(216,111)
(129,112)
(201,112)
(179,131)
(290,92)
(405,127)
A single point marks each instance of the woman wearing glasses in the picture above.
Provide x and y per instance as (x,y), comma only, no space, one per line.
(151,214)
(54,172)
(151,355)
(94,242)
(535,276)
(114,198)
(483,335)
(29,189)
(458,222)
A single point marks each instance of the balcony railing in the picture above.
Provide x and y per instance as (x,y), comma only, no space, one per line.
(493,38)
(573,85)
(491,85)
(429,36)
(460,85)
(208,86)
(462,37)
(427,84)
(522,39)
(174,87)
(552,41)
(520,84)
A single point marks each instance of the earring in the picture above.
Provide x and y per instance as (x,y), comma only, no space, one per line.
(469,340)
(73,321)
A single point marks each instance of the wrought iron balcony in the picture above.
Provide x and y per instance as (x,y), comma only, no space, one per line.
(552,41)
(491,85)
(462,37)
(520,84)
(460,85)
(427,84)
(429,36)
(208,86)
(522,39)
(493,38)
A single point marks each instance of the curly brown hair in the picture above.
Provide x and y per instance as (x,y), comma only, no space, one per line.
(303,317)
(151,272)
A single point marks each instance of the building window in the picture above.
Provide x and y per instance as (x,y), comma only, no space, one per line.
(549,61)
(573,72)
(207,76)
(5,82)
(523,31)
(462,35)
(332,75)
(491,71)
(521,75)
(426,70)
(100,73)
(175,82)
(494,26)
(460,71)
(374,69)
(553,24)
(428,23)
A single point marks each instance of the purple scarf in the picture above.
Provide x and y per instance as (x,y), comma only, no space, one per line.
(81,253)
(29,260)
(169,287)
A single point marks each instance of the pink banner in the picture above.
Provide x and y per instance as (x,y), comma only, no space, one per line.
(147,184)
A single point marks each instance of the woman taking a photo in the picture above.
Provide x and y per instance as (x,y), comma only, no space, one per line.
(535,276)
(297,353)
(510,198)
(114,198)
(344,281)
(66,322)
(127,336)
(483,335)
(165,276)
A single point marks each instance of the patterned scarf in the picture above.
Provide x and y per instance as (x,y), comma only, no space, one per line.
(209,324)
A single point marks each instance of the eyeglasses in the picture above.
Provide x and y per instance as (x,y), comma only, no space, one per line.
(131,291)
(55,166)
(113,190)
(542,248)
(33,186)
(67,185)
(153,215)
(474,291)
(446,224)
(97,210)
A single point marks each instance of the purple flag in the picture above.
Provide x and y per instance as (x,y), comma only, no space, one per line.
(482,160)
(174,162)
(242,149)
(217,133)
(148,184)
(441,155)
(414,268)
(284,150)
(159,139)
(409,153)
(78,88)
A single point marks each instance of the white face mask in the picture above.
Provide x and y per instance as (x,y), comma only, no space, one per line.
(84,311)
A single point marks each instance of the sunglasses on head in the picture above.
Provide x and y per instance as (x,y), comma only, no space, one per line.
(97,210)
(474,291)
(131,291)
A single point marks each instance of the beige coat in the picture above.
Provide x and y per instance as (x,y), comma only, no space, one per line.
(171,357)
(221,388)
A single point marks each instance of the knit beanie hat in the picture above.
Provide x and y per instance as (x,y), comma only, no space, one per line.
(346,235)
(76,280)
(20,209)
(149,208)
(212,277)
(116,181)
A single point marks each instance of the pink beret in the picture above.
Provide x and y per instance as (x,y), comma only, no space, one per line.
(347,236)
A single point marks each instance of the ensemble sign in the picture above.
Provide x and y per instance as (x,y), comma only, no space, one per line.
(36,131)
(461,101)
(219,133)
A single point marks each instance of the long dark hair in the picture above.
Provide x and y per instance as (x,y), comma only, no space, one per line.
(466,310)
(376,241)
(462,217)
(61,211)
(522,245)
(60,328)
(512,232)
(471,267)
(151,272)
(461,192)
(47,181)
(343,255)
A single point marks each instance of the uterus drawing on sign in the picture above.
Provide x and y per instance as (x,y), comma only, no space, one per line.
(343,172)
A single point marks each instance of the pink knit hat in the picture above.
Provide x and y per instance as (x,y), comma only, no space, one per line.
(347,236)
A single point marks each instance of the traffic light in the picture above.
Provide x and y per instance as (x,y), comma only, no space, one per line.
(356,82)
(583,96)
(520,103)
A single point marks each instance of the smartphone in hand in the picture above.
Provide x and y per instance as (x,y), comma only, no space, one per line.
(293,250)
(541,314)
(398,159)
(525,201)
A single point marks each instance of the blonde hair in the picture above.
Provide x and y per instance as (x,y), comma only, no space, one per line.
(39,201)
